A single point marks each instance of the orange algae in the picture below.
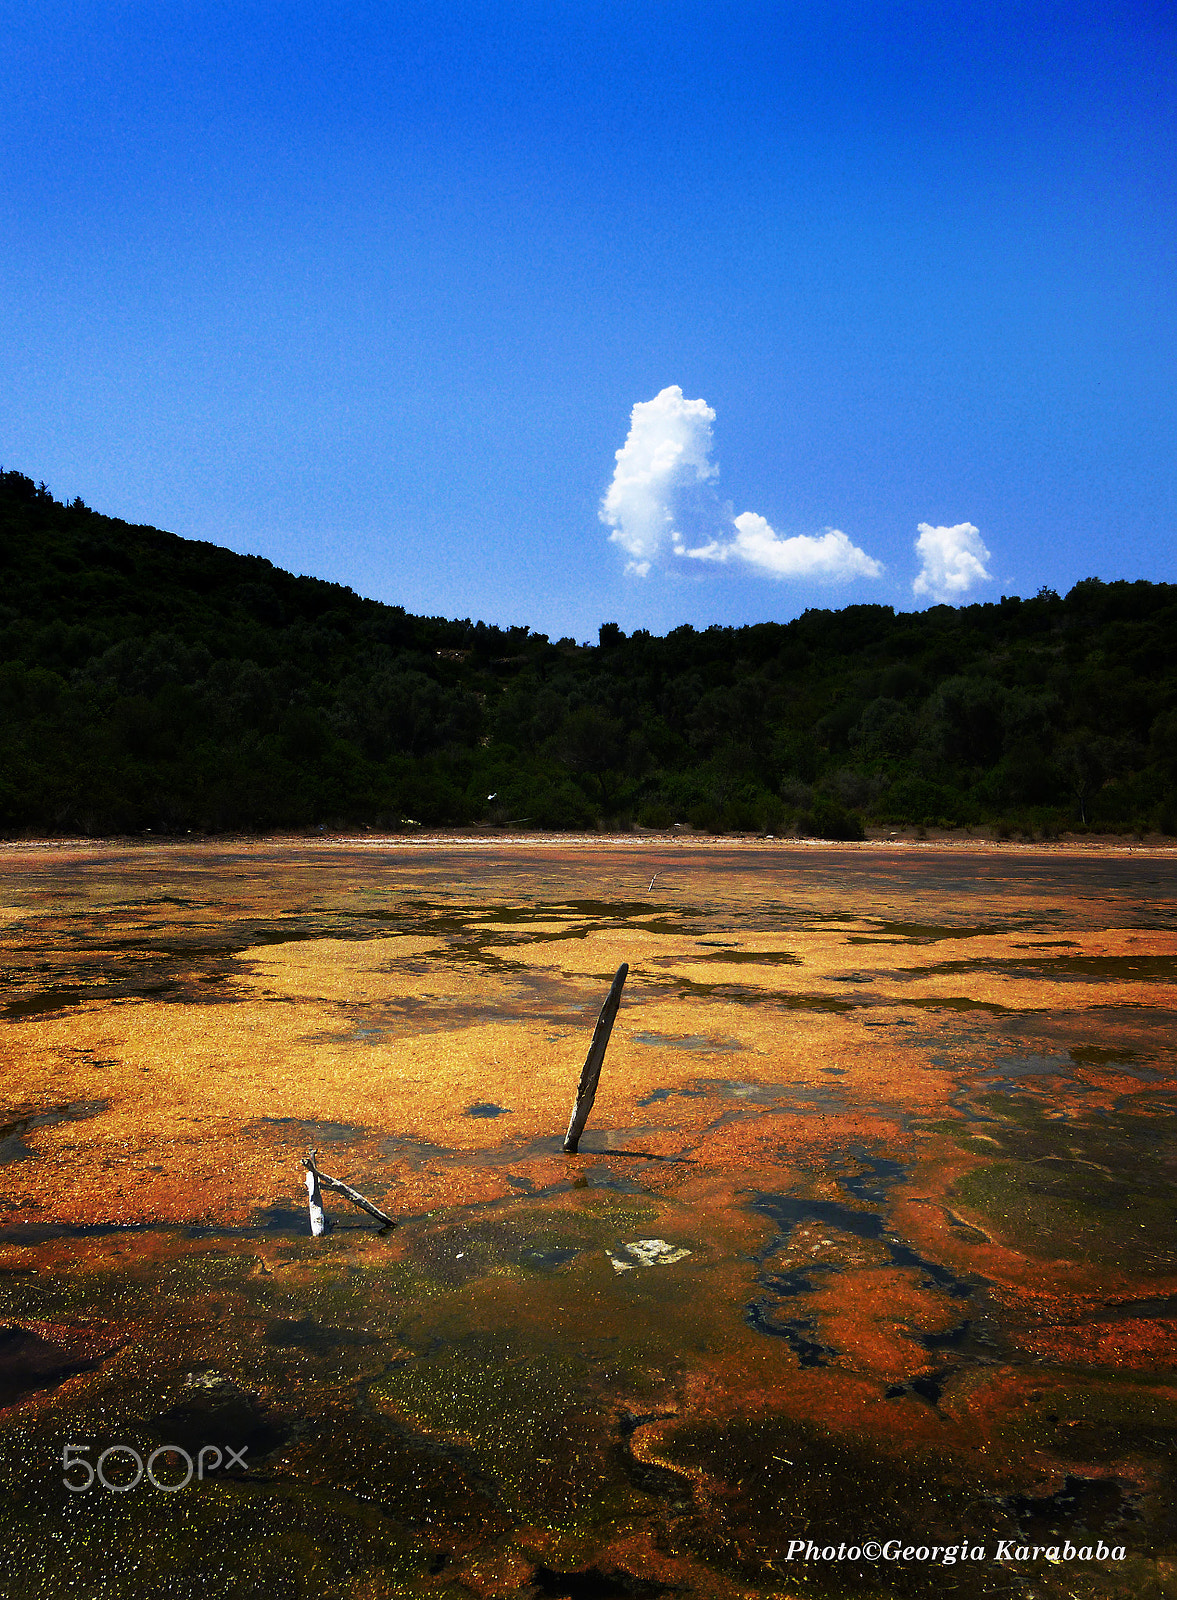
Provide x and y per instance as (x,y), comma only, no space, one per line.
(906,1114)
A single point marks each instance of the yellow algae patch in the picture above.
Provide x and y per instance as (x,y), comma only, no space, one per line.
(594,954)
(334,969)
(828,968)
(206,1103)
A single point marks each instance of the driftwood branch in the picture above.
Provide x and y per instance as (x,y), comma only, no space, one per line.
(315,1178)
(586,1089)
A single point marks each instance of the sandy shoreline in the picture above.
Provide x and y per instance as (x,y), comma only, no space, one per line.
(636,842)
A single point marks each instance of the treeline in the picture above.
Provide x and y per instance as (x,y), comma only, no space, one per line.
(148,681)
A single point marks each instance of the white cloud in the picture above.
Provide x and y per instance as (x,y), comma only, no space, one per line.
(804,556)
(953,561)
(667,450)
(663,477)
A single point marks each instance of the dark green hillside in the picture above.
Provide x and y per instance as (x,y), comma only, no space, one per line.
(148,681)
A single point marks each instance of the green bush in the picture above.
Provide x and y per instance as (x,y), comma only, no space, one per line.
(829,820)
(655,815)
(706,817)
(740,816)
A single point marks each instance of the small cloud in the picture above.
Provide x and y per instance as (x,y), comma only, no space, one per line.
(668,448)
(953,561)
(832,556)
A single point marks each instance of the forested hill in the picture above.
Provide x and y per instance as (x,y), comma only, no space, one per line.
(148,681)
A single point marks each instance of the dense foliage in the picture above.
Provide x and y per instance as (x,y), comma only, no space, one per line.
(148,681)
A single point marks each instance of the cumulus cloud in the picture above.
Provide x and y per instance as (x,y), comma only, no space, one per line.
(803,556)
(953,561)
(667,450)
(663,481)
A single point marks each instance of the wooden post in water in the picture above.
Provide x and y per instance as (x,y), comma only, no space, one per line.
(586,1089)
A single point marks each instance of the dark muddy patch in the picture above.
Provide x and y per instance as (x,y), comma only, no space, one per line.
(759,958)
(541,1260)
(749,995)
(923,933)
(796,1330)
(42,1002)
(928,1386)
(1110,969)
(1047,944)
(650,1477)
(594,1583)
(12,1132)
(29,1363)
(949,1338)
(961,1002)
(1096,1505)
(1101,1055)
(311,1133)
(215,1411)
(704,1043)
(304,1333)
(1145,1306)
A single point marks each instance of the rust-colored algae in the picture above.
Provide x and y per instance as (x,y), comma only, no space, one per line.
(869,1237)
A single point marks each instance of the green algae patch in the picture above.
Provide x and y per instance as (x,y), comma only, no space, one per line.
(763,1481)
(533,1428)
(1102,1055)
(1109,1419)
(1067,1212)
(211,1539)
(922,933)
(1096,1186)
(960,1002)
(1106,968)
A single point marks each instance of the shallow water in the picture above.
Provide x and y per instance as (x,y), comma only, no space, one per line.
(870,1234)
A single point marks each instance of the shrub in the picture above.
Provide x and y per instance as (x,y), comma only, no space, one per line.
(706,817)
(829,820)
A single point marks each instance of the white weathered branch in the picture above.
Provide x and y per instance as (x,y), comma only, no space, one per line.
(315,1200)
(315,1178)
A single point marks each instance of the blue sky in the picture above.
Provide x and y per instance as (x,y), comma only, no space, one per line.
(373,290)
